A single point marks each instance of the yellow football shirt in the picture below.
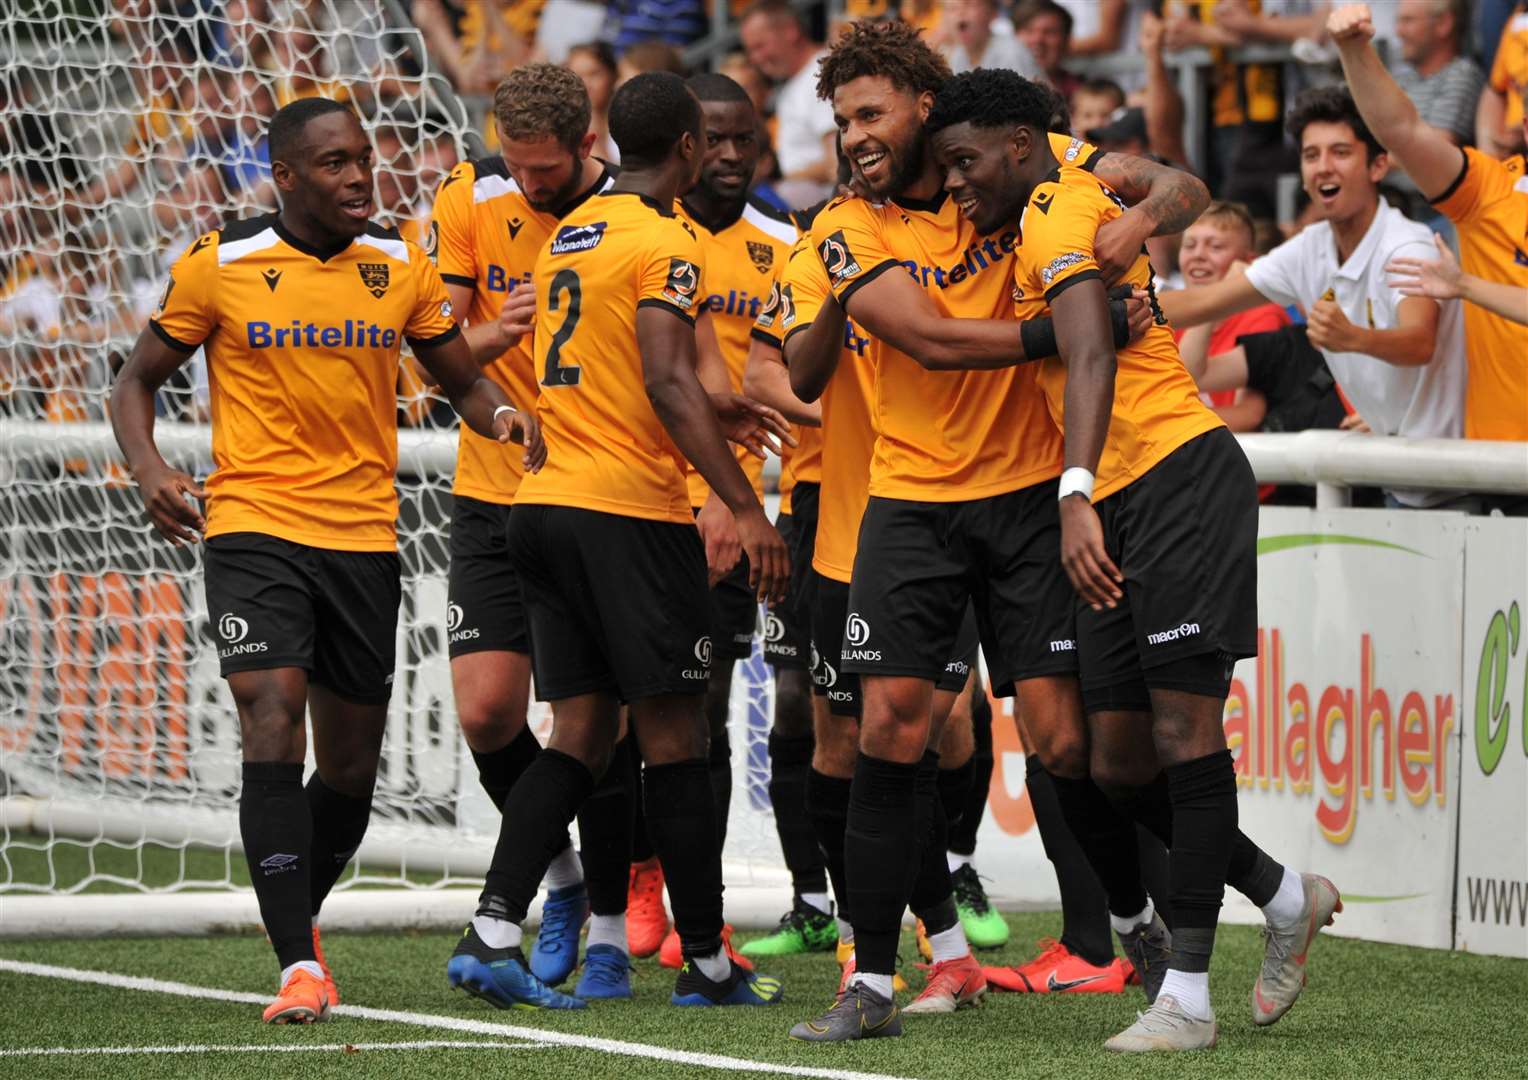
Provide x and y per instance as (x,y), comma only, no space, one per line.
(606,448)
(302,365)
(486,236)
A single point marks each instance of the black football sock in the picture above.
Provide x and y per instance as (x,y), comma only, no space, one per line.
(880,859)
(1150,806)
(1156,872)
(719,768)
(641,843)
(499,769)
(790,760)
(604,835)
(954,793)
(339,825)
(963,828)
(681,818)
(827,801)
(276,827)
(1084,903)
(1106,839)
(1204,830)
(932,898)
(534,828)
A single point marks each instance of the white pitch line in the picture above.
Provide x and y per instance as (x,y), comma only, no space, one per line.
(449,1023)
(271,1048)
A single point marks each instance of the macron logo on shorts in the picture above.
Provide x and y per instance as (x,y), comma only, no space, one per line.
(234,630)
(1162,637)
(1067,645)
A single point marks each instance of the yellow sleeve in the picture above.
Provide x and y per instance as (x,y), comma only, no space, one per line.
(187,311)
(450,242)
(804,289)
(1057,229)
(669,271)
(1482,181)
(431,322)
(850,246)
(766,327)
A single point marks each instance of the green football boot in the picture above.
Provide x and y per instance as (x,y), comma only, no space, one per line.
(985,928)
(802,929)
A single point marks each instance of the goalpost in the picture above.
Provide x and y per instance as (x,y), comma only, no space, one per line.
(119,747)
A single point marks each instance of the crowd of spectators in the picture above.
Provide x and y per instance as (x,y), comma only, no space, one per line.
(205,72)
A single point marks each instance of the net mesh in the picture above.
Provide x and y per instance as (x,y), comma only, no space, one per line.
(126,133)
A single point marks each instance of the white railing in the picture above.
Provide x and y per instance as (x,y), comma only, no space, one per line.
(1331,461)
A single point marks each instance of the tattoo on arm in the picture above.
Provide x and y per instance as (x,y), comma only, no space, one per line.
(1171,197)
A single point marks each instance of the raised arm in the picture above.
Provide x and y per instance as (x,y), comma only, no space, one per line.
(1442,279)
(1191,307)
(1162,200)
(667,343)
(1427,155)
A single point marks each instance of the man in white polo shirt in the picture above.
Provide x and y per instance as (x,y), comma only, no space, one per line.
(1401,363)
(778,44)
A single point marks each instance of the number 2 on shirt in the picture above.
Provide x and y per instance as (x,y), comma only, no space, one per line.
(556,373)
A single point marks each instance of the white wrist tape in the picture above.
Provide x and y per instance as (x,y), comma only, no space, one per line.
(1076,481)
(503,408)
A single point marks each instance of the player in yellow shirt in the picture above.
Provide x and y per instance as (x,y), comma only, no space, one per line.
(303,314)
(1486,199)
(743,242)
(491,219)
(1165,565)
(611,563)
(961,508)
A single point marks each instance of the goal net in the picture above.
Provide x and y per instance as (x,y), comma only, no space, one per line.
(126,133)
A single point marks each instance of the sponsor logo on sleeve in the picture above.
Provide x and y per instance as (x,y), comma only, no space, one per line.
(1060,263)
(575,238)
(169,287)
(1073,150)
(771,307)
(837,259)
(432,240)
(787,306)
(683,281)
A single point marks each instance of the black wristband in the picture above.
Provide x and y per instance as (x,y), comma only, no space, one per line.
(1120,322)
(1038,336)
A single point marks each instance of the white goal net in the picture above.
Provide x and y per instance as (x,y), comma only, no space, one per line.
(125,133)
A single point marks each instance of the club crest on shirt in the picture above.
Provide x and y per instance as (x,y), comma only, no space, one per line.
(572,238)
(763,256)
(837,259)
(683,281)
(375,277)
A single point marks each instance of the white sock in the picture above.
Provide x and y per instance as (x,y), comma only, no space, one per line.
(607,930)
(310,966)
(846,931)
(1133,922)
(881,984)
(957,861)
(818,900)
(496,933)
(566,869)
(715,967)
(1285,907)
(1191,990)
(949,944)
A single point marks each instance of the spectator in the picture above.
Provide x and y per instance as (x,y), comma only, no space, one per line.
(594,63)
(1094,104)
(648,56)
(1221,237)
(1099,27)
(1486,199)
(1499,121)
(777,43)
(1398,359)
(1046,27)
(1124,133)
(670,22)
(974,37)
(1444,86)
(476,41)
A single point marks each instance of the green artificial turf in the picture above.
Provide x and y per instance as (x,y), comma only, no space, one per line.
(1370,1010)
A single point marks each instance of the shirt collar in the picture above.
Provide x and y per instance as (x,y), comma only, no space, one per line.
(1357,264)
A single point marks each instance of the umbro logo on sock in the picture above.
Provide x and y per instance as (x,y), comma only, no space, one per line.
(275,864)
